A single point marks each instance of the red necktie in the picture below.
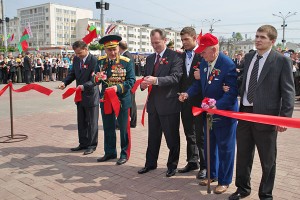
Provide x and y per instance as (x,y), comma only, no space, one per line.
(156,64)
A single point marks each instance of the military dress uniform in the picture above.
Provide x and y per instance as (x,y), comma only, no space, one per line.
(119,73)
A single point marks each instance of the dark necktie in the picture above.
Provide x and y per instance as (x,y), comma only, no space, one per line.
(253,80)
(189,53)
(156,64)
(81,63)
(110,63)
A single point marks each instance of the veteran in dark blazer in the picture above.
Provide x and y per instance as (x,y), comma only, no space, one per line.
(121,78)
(84,65)
(267,88)
(163,71)
(217,70)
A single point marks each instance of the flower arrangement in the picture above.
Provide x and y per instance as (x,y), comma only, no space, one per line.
(100,76)
(164,61)
(206,104)
(215,72)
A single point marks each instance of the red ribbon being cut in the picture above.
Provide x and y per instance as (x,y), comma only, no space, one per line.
(28,87)
(111,102)
(134,88)
(71,91)
(251,117)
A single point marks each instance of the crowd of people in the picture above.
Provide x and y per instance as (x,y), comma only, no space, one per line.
(177,81)
(30,68)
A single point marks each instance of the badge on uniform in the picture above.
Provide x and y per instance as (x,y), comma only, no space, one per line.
(205,69)
(209,82)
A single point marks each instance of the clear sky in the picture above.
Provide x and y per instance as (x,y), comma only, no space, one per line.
(235,15)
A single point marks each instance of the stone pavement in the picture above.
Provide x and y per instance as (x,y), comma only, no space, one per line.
(42,167)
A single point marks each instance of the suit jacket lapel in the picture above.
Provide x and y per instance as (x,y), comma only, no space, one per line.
(267,66)
(87,60)
(246,68)
(160,67)
(151,63)
(203,75)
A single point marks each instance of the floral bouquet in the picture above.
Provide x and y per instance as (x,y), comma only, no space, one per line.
(206,104)
(100,76)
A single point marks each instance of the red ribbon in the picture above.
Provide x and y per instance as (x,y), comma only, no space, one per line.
(133,89)
(28,87)
(71,91)
(111,102)
(251,117)
(136,85)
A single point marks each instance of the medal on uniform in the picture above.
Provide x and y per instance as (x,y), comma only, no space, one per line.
(205,69)
(209,82)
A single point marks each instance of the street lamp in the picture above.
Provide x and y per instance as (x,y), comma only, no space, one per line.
(103,6)
(283,24)
(212,22)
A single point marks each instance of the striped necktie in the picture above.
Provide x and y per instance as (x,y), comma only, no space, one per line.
(253,80)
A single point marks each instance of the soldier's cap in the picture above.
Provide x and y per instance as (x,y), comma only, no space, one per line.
(207,40)
(110,41)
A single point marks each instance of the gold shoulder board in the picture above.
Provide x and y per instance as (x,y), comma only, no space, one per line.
(124,58)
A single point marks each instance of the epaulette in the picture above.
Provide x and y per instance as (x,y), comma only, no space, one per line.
(102,57)
(124,58)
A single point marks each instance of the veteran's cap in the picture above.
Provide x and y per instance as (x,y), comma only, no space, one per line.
(110,41)
(206,40)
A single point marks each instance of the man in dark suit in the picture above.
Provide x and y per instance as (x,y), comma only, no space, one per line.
(268,89)
(193,126)
(217,70)
(84,65)
(133,110)
(120,78)
(163,71)
(27,68)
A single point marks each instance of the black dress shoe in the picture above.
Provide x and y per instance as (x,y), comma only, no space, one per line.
(121,161)
(237,195)
(89,151)
(145,170)
(78,148)
(201,174)
(188,167)
(106,157)
(170,172)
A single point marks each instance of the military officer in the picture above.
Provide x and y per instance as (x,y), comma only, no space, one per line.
(119,76)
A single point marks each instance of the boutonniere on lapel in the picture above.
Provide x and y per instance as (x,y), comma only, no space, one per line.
(196,66)
(164,61)
(84,66)
(215,72)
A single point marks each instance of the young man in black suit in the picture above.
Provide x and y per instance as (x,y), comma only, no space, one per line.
(193,126)
(84,65)
(163,71)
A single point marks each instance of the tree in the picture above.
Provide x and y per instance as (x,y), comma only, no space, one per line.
(95,46)
(238,36)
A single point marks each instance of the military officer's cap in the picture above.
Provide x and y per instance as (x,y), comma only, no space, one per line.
(110,41)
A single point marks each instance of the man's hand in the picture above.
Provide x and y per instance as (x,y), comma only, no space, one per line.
(197,74)
(150,80)
(281,128)
(81,87)
(183,96)
(61,86)
(143,85)
(226,88)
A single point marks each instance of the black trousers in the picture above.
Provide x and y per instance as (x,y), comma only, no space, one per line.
(87,119)
(169,125)
(133,111)
(266,143)
(27,76)
(193,130)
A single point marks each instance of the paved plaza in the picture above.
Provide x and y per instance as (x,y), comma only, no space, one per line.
(43,167)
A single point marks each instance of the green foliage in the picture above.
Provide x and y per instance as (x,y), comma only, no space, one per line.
(238,36)
(96,46)
(9,49)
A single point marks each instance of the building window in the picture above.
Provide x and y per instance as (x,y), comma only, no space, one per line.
(46,9)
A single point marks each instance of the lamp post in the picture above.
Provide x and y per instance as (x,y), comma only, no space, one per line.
(284,24)
(103,6)
(212,22)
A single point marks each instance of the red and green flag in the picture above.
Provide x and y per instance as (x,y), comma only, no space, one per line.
(23,45)
(89,37)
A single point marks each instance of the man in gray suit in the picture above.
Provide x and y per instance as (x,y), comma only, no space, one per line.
(163,71)
(267,88)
